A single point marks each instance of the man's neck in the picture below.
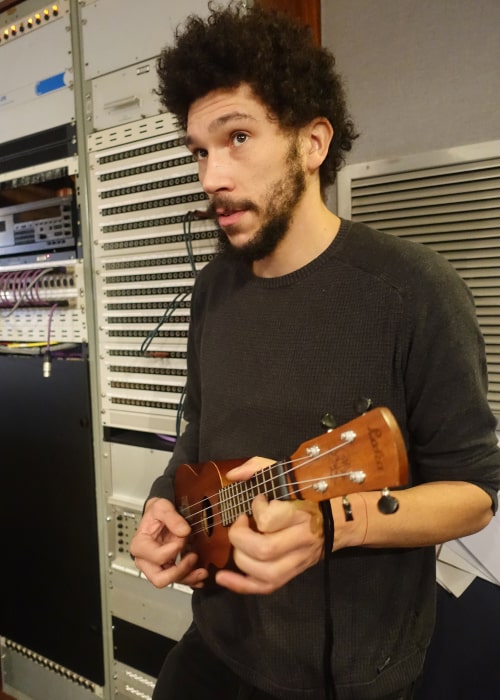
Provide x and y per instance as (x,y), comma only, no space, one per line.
(311,231)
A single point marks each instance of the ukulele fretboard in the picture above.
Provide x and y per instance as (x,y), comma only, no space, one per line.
(237,498)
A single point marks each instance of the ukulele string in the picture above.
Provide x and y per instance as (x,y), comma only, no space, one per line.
(305,460)
(244,503)
(298,464)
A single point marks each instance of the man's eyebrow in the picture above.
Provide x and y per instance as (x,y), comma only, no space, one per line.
(221,121)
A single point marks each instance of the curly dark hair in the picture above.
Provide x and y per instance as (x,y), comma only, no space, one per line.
(271,53)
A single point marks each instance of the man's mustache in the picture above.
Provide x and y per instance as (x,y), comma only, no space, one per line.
(221,203)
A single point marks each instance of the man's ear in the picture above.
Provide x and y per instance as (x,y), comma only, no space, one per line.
(318,135)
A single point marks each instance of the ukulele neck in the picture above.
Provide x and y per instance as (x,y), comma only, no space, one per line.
(236,498)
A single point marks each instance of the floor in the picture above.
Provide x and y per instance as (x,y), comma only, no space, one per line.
(4,696)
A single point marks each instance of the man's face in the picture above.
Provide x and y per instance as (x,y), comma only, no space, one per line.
(250,168)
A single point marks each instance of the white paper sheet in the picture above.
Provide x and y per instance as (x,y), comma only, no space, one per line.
(453,580)
(460,561)
(485,547)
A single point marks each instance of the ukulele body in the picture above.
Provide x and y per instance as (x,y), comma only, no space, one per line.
(197,499)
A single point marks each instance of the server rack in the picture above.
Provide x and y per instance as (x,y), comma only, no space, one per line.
(93,327)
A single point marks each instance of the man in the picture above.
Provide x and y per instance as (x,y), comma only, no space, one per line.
(301,315)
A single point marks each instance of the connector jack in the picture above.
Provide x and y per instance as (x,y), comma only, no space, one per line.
(47,365)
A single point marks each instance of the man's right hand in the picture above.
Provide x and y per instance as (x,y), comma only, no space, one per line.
(157,547)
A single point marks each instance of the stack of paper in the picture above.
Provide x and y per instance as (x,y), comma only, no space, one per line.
(460,561)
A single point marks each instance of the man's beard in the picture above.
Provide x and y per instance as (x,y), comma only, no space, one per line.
(278,210)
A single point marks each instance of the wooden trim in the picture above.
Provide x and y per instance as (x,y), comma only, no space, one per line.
(7,4)
(306,11)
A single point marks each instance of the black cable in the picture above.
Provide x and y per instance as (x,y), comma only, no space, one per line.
(188,239)
(171,307)
(178,417)
(188,218)
(329,533)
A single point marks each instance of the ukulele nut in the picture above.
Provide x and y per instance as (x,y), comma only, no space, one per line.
(313,451)
(320,486)
(357,477)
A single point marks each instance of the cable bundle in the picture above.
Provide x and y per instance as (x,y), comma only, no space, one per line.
(36,288)
(22,288)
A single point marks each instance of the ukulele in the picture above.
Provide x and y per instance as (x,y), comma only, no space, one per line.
(366,454)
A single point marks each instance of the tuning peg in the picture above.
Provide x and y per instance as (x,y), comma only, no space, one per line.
(328,421)
(363,404)
(387,504)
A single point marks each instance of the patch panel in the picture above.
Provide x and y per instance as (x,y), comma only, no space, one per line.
(26,671)
(150,239)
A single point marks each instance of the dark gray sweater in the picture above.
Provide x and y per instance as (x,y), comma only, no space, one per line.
(374,316)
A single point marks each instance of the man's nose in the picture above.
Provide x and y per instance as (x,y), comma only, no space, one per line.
(215,174)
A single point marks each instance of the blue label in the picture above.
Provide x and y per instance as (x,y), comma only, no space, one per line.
(55,82)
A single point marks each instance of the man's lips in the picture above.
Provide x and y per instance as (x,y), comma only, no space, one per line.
(228,212)
(227,218)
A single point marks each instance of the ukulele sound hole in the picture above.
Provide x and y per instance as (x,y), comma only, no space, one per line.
(208,517)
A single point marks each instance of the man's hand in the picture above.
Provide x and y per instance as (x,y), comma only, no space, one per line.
(288,540)
(157,544)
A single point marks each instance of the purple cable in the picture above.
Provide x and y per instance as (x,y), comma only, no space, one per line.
(51,313)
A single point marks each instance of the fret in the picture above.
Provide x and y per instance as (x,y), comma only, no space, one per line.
(234,503)
(243,500)
(260,483)
(272,490)
(222,504)
(225,504)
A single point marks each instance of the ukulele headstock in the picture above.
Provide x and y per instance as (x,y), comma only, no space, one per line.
(366,454)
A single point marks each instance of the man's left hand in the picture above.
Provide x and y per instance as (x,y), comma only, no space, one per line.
(288,540)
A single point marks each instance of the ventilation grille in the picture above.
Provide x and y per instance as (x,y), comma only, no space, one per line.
(450,201)
(150,240)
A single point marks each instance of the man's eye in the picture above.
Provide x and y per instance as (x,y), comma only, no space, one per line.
(200,154)
(239,138)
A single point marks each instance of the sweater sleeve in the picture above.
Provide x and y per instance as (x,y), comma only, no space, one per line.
(450,422)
